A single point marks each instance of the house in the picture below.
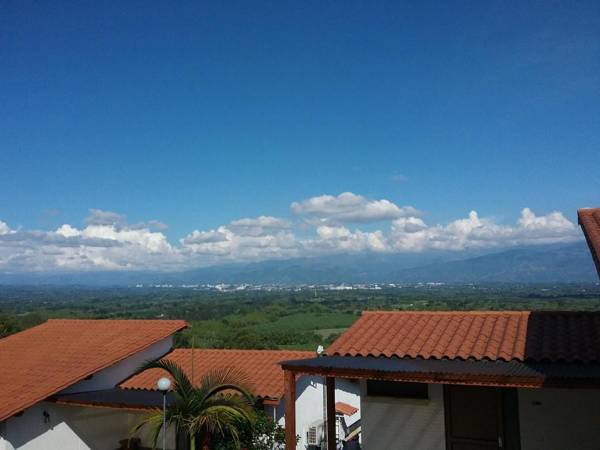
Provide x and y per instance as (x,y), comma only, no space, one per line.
(72,357)
(466,380)
(589,220)
(266,378)
(73,384)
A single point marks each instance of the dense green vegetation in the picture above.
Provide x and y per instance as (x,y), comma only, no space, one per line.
(299,319)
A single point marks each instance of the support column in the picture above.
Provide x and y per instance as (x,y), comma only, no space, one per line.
(331,422)
(290,410)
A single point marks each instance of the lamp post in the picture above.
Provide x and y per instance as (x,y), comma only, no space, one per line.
(164,384)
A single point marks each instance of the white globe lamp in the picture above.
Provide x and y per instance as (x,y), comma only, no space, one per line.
(163,384)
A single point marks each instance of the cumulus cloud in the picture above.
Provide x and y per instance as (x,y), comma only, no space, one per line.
(4,228)
(259,226)
(205,237)
(476,232)
(247,239)
(350,207)
(340,239)
(108,242)
(101,217)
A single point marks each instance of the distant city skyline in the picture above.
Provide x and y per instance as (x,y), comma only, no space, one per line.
(136,136)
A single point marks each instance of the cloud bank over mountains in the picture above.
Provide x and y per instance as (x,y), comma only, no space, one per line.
(322,225)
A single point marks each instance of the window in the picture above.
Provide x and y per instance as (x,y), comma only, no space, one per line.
(397,389)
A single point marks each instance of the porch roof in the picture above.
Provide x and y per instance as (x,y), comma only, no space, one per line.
(446,371)
(134,400)
(525,336)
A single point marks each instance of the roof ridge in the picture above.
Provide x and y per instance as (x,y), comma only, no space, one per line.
(454,312)
(90,319)
(484,312)
(246,350)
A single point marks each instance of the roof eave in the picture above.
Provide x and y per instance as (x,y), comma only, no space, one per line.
(357,370)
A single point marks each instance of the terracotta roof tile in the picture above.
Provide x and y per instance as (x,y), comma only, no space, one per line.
(46,359)
(345,408)
(260,366)
(589,219)
(479,335)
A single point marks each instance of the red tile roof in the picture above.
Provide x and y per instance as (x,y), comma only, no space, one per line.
(345,408)
(260,366)
(481,335)
(41,361)
(589,219)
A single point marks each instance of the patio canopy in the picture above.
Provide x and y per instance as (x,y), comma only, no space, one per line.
(467,372)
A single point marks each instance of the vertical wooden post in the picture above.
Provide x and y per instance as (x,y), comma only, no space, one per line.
(290,410)
(331,422)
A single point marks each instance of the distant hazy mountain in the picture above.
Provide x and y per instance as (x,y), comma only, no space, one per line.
(543,264)
(561,264)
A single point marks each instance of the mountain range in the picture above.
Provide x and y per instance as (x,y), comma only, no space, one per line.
(540,264)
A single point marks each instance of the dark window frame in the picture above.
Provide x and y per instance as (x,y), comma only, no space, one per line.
(398,389)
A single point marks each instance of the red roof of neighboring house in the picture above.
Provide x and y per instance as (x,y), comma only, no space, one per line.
(345,408)
(41,361)
(478,335)
(589,219)
(260,366)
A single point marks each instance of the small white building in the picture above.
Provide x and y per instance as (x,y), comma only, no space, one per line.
(72,384)
(266,378)
(73,357)
(455,380)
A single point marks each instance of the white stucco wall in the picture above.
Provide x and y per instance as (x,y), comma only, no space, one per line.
(403,424)
(559,419)
(75,428)
(70,428)
(310,402)
(113,375)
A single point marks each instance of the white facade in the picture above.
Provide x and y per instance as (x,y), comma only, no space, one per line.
(549,419)
(70,428)
(113,375)
(310,403)
(66,427)
(78,428)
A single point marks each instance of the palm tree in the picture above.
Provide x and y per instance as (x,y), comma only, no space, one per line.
(220,405)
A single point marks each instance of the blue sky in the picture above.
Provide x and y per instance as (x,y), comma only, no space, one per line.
(198,114)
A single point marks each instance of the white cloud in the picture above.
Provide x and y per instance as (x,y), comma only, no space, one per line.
(101,217)
(350,207)
(205,237)
(248,239)
(259,226)
(4,228)
(107,241)
(476,232)
(340,239)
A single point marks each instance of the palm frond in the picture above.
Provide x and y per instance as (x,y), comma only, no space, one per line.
(226,375)
(221,405)
(223,420)
(182,384)
(230,389)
